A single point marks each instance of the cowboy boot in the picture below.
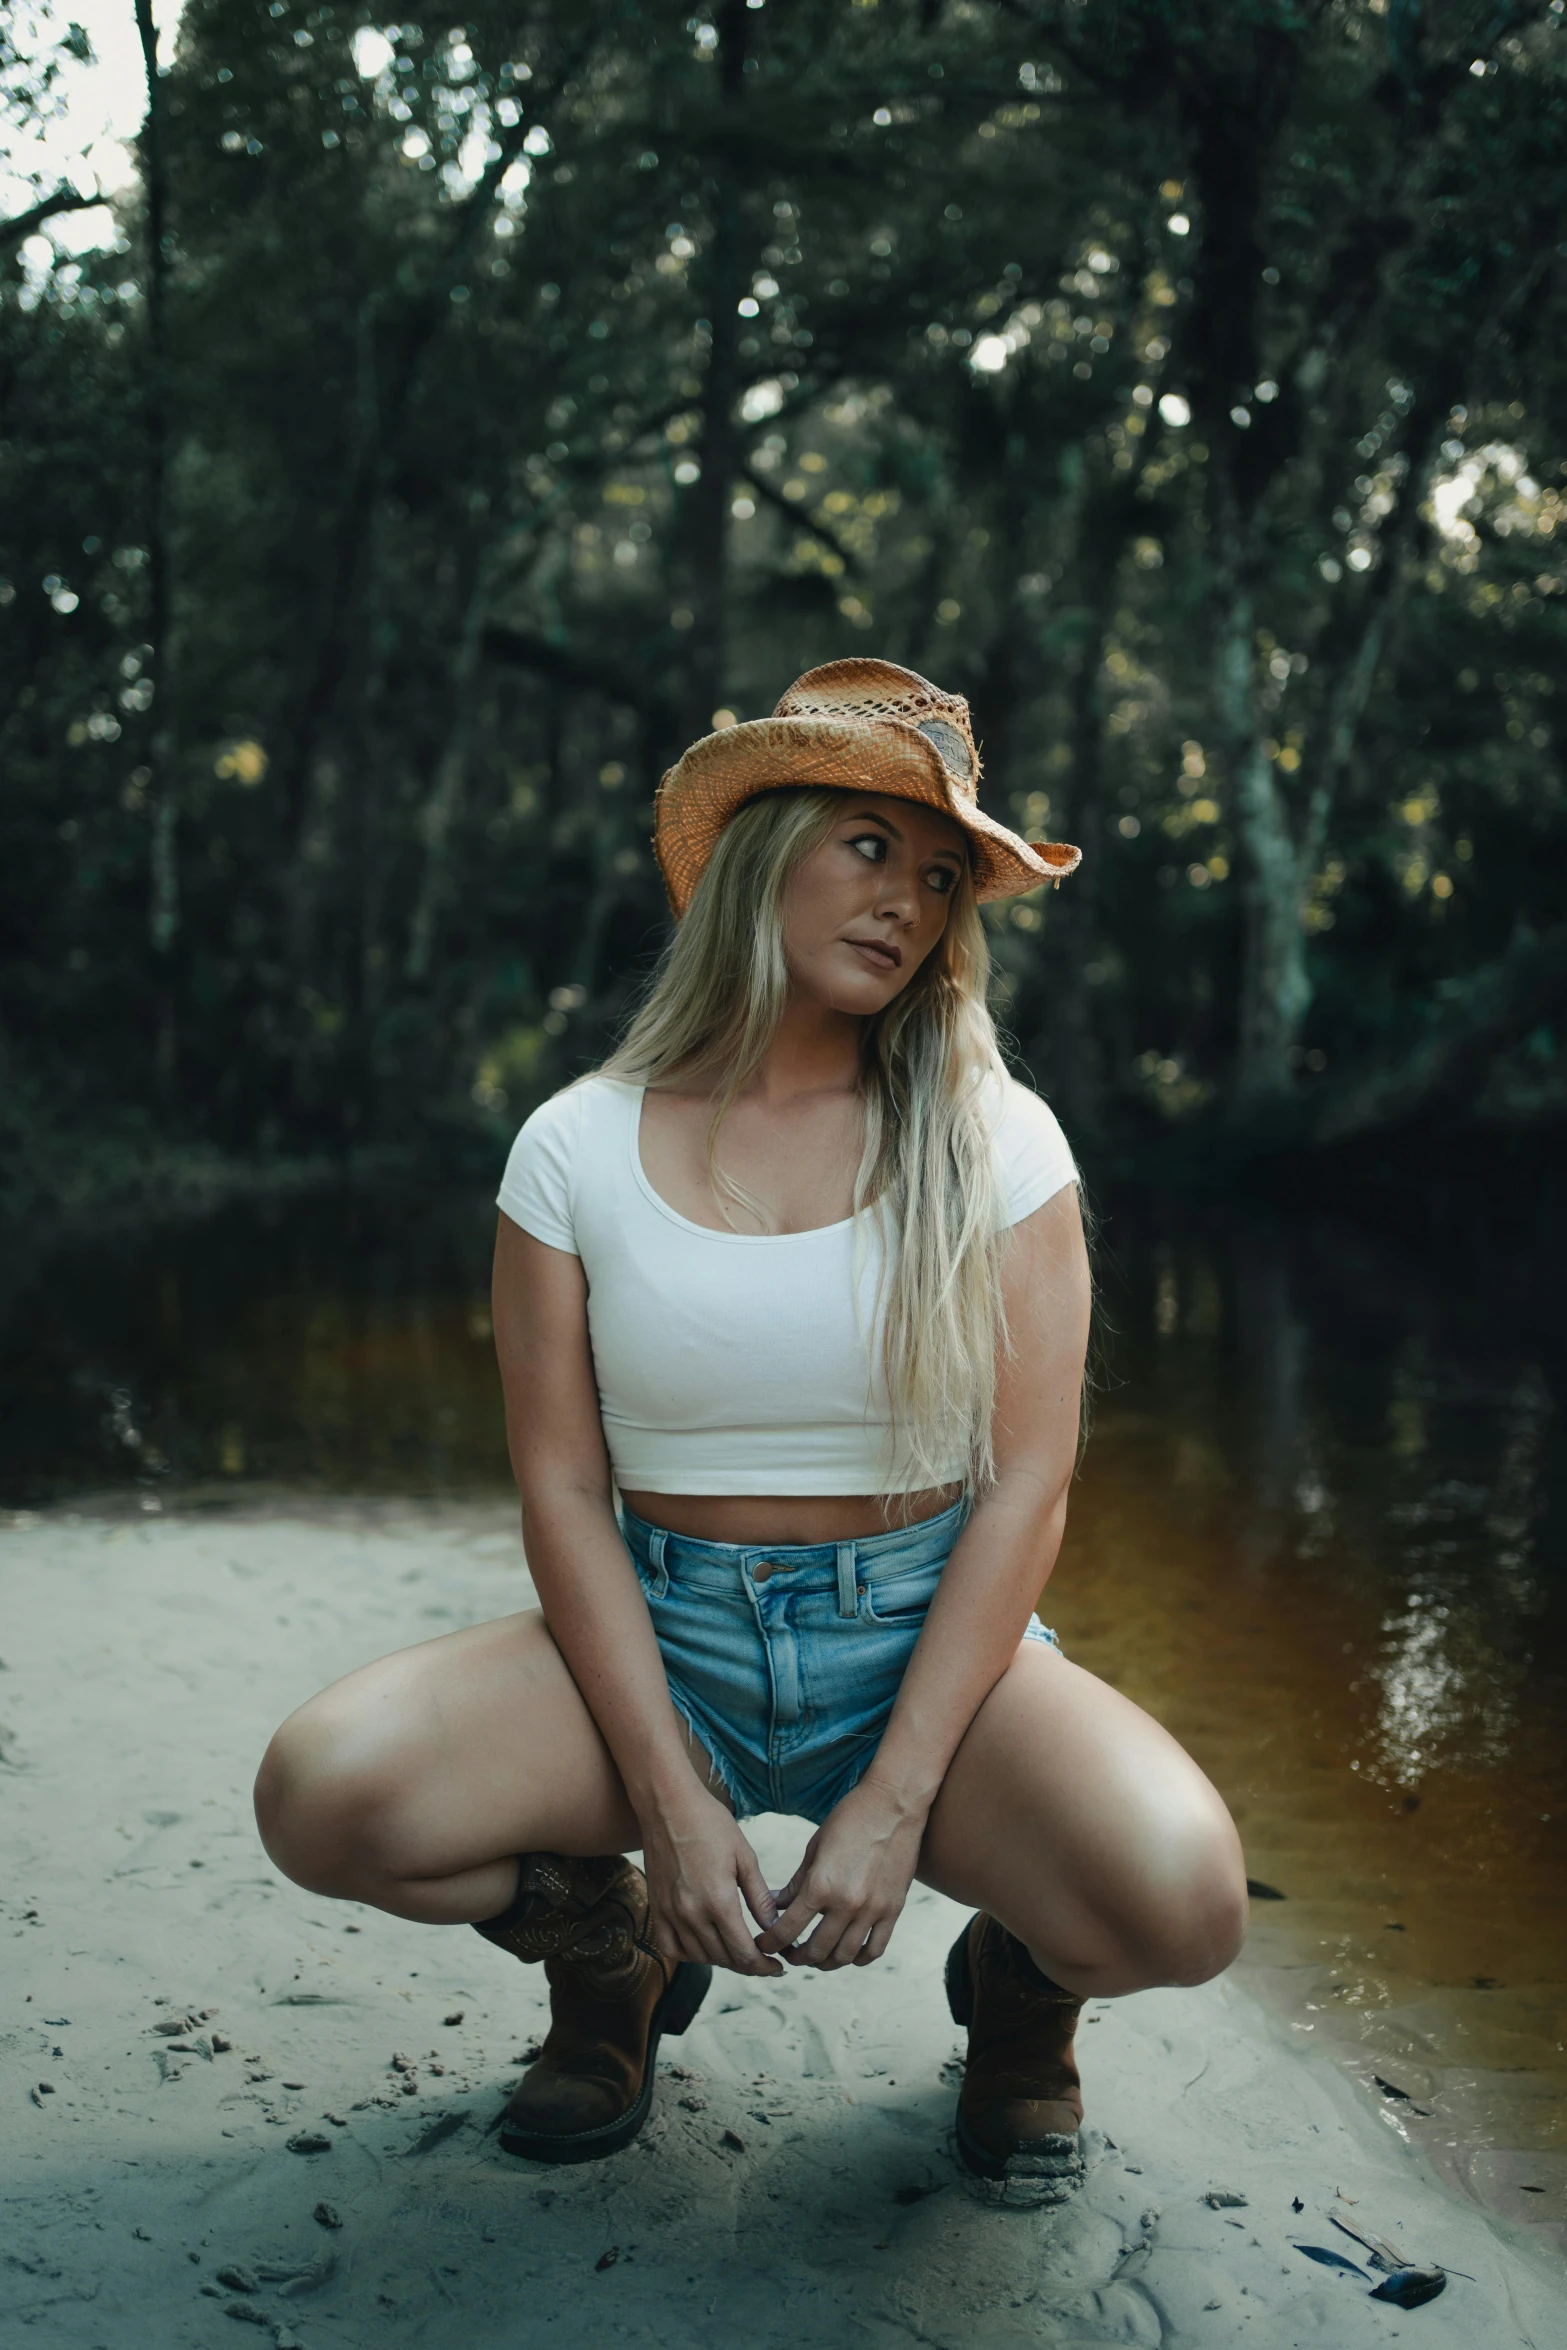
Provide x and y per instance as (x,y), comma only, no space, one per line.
(1021,2105)
(590,2089)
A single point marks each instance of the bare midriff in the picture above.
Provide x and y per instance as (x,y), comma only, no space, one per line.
(788,1519)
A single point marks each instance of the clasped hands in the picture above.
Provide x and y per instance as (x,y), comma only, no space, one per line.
(838,1909)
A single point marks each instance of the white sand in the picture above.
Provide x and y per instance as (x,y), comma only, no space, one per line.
(146,1663)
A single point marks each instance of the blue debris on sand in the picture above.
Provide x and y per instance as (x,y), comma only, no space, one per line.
(1329,2259)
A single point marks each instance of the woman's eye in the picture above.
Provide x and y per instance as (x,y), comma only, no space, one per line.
(871,847)
(943,880)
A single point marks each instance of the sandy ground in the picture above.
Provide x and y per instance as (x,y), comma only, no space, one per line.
(266,2108)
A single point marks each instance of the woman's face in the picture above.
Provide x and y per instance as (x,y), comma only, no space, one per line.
(864,910)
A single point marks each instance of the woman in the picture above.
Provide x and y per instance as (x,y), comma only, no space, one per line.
(801,1272)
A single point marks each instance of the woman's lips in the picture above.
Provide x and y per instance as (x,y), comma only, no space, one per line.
(875,951)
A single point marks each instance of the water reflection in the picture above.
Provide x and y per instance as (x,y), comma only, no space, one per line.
(1459,1646)
(340,1343)
(1318,1533)
(1428,1694)
(1265,1380)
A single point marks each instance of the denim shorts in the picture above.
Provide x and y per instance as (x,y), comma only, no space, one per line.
(784,1661)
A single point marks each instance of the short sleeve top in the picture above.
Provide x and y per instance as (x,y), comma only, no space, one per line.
(733,1362)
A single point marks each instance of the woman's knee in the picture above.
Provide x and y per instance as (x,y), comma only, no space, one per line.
(1195,1925)
(322,1802)
(1165,1907)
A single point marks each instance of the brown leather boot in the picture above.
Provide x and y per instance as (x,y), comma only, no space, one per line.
(590,2089)
(1021,2105)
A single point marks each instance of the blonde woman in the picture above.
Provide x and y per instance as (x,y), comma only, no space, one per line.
(800,1274)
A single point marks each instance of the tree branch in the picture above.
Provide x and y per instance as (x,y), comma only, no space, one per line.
(801,519)
(525,648)
(12,232)
(1482,1014)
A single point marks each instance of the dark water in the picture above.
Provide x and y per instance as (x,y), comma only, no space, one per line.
(1319,1531)
(1320,1534)
(339,1343)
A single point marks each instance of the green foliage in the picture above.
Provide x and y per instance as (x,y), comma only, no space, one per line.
(1184,385)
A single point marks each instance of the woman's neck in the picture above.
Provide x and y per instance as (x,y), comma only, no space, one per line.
(814,1050)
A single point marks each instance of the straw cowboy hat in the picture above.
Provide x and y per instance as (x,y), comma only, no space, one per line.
(857,725)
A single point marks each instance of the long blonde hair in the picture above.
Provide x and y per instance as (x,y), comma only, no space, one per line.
(927,1169)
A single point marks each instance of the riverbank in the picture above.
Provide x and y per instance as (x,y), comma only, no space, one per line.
(794,2182)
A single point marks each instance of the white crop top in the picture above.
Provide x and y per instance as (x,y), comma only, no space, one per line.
(731,1362)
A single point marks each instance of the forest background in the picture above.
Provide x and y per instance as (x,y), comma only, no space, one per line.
(453,421)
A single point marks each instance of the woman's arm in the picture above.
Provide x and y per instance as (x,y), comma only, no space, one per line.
(696,1856)
(858,1867)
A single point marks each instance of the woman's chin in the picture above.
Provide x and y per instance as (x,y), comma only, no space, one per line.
(858,996)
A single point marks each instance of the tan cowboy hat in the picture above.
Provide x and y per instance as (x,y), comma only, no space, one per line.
(855,725)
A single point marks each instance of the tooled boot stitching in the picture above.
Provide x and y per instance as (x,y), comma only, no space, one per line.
(586,1910)
(611,1995)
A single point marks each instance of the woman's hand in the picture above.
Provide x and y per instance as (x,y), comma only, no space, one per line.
(698,1866)
(855,1877)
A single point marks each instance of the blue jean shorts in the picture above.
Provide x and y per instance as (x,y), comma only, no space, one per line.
(784,1661)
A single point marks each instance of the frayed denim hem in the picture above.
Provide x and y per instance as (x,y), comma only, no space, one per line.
(719,1772)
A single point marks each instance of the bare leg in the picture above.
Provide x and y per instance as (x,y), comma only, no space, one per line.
(1071,1816)
(414,1782)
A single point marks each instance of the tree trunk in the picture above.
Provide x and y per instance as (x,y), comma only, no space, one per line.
(373,761)
(382,407)
(1282,850)
(163,900)
(450,789)
(1275,990)
(1071,917)
(708,498)
(1233,128)
(1077,812)
(1275,984)
(1103,514)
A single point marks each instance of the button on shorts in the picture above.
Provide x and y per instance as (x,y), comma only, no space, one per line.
(785,1660)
